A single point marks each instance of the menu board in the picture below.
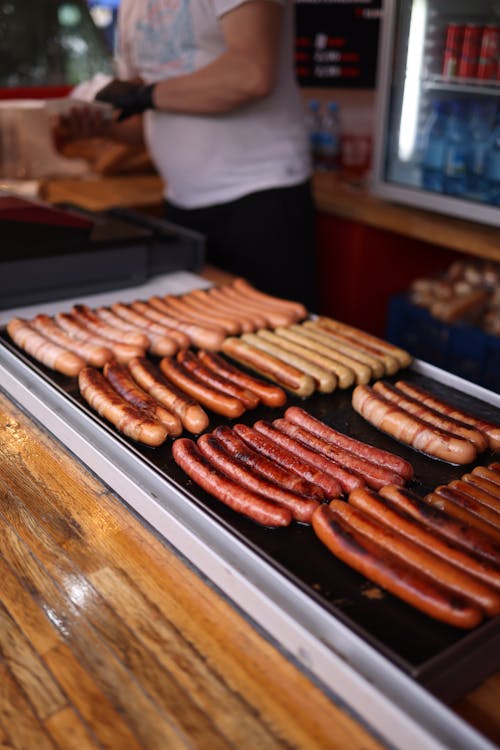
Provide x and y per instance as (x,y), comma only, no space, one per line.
(336,42)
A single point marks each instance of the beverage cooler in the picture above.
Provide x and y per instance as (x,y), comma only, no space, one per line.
(437,142)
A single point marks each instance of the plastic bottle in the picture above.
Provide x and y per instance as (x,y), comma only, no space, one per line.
(433,147)
(481,123)
(457,148)
(314,129)
(492,169)
(329,141)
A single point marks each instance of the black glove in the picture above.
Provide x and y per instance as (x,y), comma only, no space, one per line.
(131,98)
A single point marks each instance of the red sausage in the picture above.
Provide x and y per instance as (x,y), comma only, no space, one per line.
(213,450)
(270,395)
(392,573)
(480,489)
(489,474)
(376,455)
(161,346)
(205,336)
(202,472)
(191,362)
(150,326)
(89,318)
(446,499)
(453,491)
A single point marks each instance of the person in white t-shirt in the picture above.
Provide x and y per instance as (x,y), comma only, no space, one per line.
(210,84)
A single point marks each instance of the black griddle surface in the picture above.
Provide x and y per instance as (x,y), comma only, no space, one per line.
(401,633)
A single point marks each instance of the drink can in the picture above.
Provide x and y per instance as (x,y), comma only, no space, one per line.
(452,49)
(467,66)
(489,53)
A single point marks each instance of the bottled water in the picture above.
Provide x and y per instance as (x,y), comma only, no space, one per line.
(314,129)
(492,169)
(329,141)
(457,147)
(433,148)
(481,123)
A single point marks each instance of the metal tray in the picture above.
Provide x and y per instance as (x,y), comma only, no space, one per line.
(380,638)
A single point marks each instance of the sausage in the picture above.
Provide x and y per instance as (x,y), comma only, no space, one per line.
(453,577)
(432,417)
(391,573)
(363,373)
(471,485)
(204,337)
(391,364)
(346,480)
(460,533)
(90,319)
(495,466)
(41,348)
(93,354)
(373,475)
(133,422)
(233,442)
(161,346)
(369,502)
(375,364)
(488,474)
(202,300)
(454,491)
(261,438)
(150,326)
(121,352)
(188,456)
(122,381)
(296,309)
(326,380)
(270,395)
(204,327)
(409,429)
(191,362)
(149,377)
(463,514)
(293,380)
(215,400)
(376,455)
(362,337)
(318,353)
(273,315)
(257,318)
(492,431)
(204,317)
(213,450)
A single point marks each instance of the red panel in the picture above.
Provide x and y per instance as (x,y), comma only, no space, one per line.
(35,92)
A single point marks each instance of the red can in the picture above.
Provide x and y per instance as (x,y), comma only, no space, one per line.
(452,49)
(489,53)
(469,58)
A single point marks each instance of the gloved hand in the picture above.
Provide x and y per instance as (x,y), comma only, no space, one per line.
(131,98)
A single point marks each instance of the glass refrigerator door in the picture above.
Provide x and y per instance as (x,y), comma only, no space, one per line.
(437,141)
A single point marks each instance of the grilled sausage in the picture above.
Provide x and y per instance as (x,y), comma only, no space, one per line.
(459,511)
(392,573)
(409,429)
(91,320)
(73,326)
(41,348)
(181,307)
(375,364)
(213,450)
(475,487)
(270,395)
(204,337)
(256,317)
(188,456)
(160,346)
(248,291)
(93,354)
(273,315)
(489,474)
(191,362)
(202,300)
(362,372)
(150,326)
(391,364)
(149,377)
(376,455)
(454,493)
(133,422)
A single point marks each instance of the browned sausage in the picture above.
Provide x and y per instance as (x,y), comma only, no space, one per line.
(194,364)
(376,455)
(93,354)
(122,381)
(203,317)
(273,315)
(161,346)
(150,326)
(447,525)
(121,352)
(293,380)
(206,337)
(270,395)
(458,510)
(210,398)
(257,319)
(453,491)
(492,431)
(189,411)
(202,300)
(346,480)
(187,455)
(431,416)
(133,422)
(480,489)
(411,430)
(41,348)
(261,438)
(89,318)
(489,474)
(375,476)
(296,309)
(362,371)
(391,364)
(392,573)
(235,445)
(301,508)
(375,364)
(380,509)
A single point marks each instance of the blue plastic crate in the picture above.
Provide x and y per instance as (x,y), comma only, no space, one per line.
(460,349)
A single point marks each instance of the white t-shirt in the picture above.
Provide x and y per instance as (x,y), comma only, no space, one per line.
(209,159)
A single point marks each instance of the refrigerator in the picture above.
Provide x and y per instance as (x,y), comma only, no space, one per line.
(437,135)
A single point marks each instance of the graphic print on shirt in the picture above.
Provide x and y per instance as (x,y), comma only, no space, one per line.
(164,37)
